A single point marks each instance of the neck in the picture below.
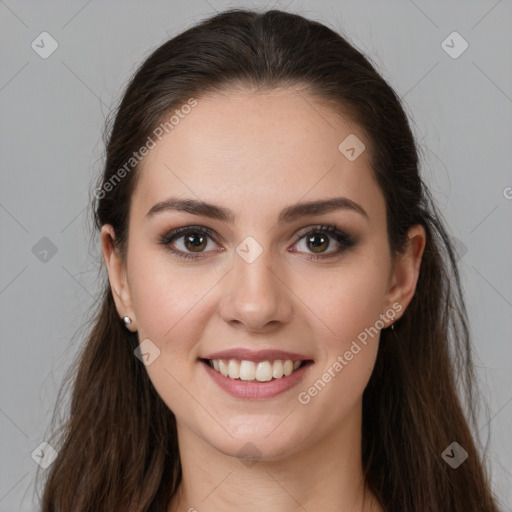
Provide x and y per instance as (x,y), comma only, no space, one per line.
(326,475)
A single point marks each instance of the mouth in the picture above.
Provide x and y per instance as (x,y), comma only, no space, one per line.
(263,374)
(256,371)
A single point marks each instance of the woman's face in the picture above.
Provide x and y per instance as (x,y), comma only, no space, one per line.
(259,280)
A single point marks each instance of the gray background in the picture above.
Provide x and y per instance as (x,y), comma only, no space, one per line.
(52,117)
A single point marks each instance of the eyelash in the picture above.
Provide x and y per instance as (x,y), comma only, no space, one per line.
(345,240)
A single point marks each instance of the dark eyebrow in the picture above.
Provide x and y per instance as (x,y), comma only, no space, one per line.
(289,214)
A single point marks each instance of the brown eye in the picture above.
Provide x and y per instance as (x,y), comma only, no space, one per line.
(316,241)
(195,242)
(189,242)
(319,242)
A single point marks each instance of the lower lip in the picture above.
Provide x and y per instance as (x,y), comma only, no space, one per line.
(256,390)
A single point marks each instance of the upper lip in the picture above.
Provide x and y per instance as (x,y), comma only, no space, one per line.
(257,355)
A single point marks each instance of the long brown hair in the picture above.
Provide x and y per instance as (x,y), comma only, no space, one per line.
(117,447)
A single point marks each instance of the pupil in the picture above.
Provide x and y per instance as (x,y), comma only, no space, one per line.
(197,244)
(318,245)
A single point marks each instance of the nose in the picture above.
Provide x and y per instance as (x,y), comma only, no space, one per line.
(256,297)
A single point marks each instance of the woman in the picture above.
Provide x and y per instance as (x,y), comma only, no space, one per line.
(283,326)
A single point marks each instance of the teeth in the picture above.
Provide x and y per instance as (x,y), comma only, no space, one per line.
(223,367)
(277,369)
(262,371)
(288,367)
(247,369)
(233,369)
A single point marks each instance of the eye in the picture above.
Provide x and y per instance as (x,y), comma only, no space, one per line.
(191,242)
(317,240)
(195,240)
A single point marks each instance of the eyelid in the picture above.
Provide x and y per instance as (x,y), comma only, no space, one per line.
(176,233)
(344,239)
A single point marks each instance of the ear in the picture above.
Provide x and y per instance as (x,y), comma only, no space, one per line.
(117,274)
(404,275)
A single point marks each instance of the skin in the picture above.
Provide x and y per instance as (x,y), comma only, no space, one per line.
(257,153)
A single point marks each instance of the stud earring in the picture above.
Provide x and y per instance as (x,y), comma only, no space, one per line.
(127,321)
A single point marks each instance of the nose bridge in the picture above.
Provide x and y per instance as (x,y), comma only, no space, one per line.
(256,295)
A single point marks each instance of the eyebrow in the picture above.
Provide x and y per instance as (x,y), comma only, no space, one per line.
(288,214)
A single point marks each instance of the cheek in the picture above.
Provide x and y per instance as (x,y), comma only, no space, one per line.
(165,294)
(174,304)
(173,301)
(352,312)
(170,302)
(348,301)
(350,307)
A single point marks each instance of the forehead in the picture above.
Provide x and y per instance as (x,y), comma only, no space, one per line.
(247,149)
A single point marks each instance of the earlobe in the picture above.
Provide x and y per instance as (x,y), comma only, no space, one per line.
(406,269)
(116,269)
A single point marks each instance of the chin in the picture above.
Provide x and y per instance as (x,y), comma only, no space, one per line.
(257,445)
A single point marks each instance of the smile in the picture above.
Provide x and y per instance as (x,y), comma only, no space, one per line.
(262,371)
(256,380)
